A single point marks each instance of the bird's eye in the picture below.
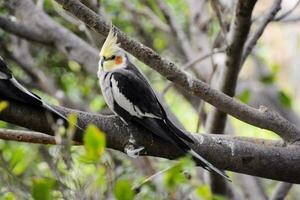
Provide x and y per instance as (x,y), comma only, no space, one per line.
(112,58)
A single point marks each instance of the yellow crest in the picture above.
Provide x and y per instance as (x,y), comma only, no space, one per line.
(110,45)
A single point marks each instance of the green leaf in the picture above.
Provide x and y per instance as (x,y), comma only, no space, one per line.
(175,176)
(8,196)
(245,96)
(72,119)
(285,99)
(123,190)
(204,192)
(97,103)
(270,78)
(3,105)
(74,66)
(42,188)
(94,142)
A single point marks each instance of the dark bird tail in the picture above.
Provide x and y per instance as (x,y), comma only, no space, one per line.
(10,88)
(185,139)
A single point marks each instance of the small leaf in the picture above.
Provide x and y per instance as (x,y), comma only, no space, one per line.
(42,188)
(74,66)
(285,99)
(97,103)
(3,105)
(72,119)
(204,192)
(8,196)
(175,176)
(123,190)
(271,77)
(245,96)
(268,79)
(94,142)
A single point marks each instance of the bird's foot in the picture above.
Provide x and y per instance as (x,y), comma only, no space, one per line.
(132,152)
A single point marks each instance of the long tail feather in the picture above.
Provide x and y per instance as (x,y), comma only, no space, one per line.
(178,132)
(48,107)
(208,166)
(186,139)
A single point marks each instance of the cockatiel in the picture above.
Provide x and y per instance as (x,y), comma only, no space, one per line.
(130,96)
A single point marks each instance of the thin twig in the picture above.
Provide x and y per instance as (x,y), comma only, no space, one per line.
(176,29)
(251,41)
(28,136)
(149,15)
(191,64)
(287,13)
(216,7)
(281,191)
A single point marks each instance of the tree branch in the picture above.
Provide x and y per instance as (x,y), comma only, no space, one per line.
(281,191)
(261,118)
(23,31)
(237,37)
(26,136)
(238,154)
(239,30)
(176,30)
(251,42)
(67,42)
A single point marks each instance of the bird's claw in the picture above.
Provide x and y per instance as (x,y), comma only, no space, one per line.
(132,152)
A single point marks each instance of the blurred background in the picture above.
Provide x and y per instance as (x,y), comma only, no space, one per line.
(56,56)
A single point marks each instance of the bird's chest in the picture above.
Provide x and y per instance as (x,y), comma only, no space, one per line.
(105,85)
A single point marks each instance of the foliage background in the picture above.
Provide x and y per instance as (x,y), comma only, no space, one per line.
(29,171)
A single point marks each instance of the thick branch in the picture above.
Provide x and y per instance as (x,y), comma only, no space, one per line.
(243,155)
(23,31)
(267,120)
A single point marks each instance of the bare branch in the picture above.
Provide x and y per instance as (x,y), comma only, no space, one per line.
(65,41)
(251,42)
(23,30)
(267,120)
(216,7)
(257,190)
(238,154)
(287,13)
(26,136)
(176,29)
(148,14)
(239,30)
(281,191)
(190,64)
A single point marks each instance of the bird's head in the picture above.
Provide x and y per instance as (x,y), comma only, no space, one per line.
(111,55)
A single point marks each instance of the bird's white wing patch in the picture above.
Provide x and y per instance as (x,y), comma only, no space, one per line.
(121,99)
(126,104)
(3,76)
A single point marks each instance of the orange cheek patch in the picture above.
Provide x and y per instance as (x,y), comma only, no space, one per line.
(119,60)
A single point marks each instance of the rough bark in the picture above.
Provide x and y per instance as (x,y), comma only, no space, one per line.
(238,154)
